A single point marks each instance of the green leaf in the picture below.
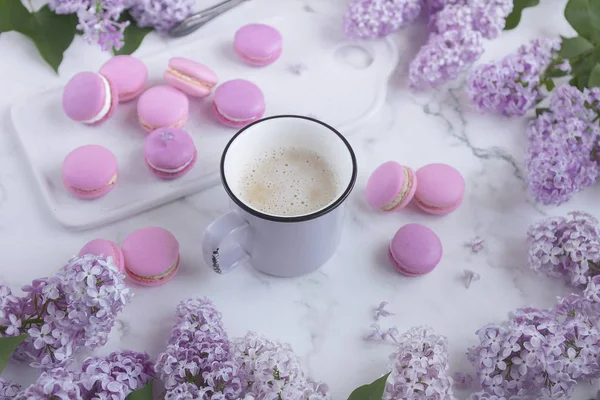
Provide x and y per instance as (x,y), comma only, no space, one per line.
(584,17)
(549,83)
(133,35)
(144,393)
(13,15)
(582,68)
(514,17)
(574,47)
(540,110)
(594,80)
(7,347)
(372,391)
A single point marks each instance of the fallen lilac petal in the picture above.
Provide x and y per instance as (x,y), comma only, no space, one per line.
(470,277)
(298,68)
(476,244)
(463,381)
(381,312)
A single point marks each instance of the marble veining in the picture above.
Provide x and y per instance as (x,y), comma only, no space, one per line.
(326,315)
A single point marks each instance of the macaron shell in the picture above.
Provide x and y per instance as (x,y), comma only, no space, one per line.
(150,251)
(154,282)
(186,70)
(415,250)
(106,248)
(162,106)
(84,96)
(258,44)
(174,175)
(240,99)
(441,189)
(128,74)
(88,169)
(389,181)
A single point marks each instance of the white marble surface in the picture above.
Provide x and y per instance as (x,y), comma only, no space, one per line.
(324,315)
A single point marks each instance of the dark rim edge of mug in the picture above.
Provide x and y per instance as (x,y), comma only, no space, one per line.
(301,218)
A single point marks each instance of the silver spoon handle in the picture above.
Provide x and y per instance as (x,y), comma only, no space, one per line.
(195,21)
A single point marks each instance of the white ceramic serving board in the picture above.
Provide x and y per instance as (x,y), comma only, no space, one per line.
(344,83)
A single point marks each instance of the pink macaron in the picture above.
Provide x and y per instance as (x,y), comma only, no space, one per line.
(128,74)
(90,98)
(238,103)
(105,248)
(151,256)
(415,250)
(441,189)
(258,44)
(162,106)
(170,152)
(190,77)
(90,171)
(391,186)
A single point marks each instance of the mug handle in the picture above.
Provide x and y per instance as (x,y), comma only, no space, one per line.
(229,226)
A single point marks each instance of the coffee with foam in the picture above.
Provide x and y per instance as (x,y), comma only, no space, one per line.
(289,182)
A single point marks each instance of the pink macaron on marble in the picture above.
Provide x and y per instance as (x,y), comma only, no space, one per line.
(90,98)
(258,44)
(441,189)
(104,248)
(238,103)
(391,186)
(162,106)
(128,74)
(90,172)
(170,152)
(191,77)
(151,256)
(415,250)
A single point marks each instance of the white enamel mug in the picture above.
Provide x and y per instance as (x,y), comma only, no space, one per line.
(285,246)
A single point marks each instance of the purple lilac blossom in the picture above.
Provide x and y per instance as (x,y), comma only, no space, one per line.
(58,383)
(568,248)
(420,368)
(541,354)
(8,390)
(271,370)
(434,6)
(381,312)
(512,86)
(77,307)
(367,19)
(198,353)
(161,15)
(98,20)
(489,16)
(563,145)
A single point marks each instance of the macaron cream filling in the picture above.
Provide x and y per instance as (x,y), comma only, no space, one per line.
(158,277)
(149,127)
(107,103)
(402,195)
(171,171)
(112,181)
(227,117)
(187,78)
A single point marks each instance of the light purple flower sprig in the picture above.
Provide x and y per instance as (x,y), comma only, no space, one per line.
(98,20)
(368,19)
(77,307)
(113,377)
(513,85)
(198,354)
(562,157)
(420,367)
(161,15)
(567,248)
(8,390)
(271,370)
(541,353)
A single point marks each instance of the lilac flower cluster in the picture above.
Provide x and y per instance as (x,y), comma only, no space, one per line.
(201,363)
(161,15)
(367,19)
(569,248)
(541,353)
(113,377)
(562,151)
(8,390)
(98,20)
(198,363)
(420,368)
(75,308)
(457,29)
(513,85)
(271,370)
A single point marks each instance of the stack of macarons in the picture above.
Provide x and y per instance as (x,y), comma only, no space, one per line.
(436,189)
(91,98)
(149,256)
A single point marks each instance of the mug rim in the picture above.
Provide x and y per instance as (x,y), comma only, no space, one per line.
(300,218)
